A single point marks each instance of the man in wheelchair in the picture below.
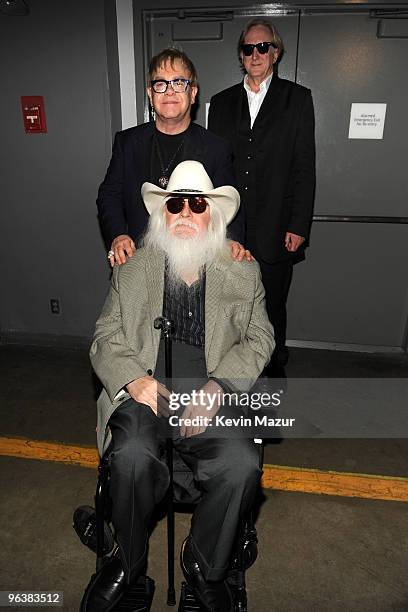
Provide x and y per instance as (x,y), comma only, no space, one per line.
(222,340)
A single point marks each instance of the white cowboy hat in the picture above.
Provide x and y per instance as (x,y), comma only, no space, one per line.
(190,178)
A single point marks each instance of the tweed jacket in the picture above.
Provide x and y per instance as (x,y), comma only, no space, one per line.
(238,335)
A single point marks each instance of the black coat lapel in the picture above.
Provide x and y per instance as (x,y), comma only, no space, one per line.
(270,104)
(242,107)
(194,147)
(239,113)
(142,150)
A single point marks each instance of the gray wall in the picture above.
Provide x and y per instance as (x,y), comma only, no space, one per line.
(50,244)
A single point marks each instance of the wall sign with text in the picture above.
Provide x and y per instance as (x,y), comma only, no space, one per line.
(367,120)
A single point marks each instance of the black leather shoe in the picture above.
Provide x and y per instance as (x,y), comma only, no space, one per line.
(105,588)
(213,596)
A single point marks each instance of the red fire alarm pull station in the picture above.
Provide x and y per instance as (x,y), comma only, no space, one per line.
(34,114)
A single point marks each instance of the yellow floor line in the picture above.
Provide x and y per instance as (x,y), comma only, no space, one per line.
(280,477)
(49,451)
(326,482)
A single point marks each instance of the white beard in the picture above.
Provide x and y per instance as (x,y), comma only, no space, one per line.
(186,255)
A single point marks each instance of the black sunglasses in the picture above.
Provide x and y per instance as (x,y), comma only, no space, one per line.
(196,204)
(262,48)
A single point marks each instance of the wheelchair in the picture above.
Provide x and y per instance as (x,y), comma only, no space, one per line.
(93,528)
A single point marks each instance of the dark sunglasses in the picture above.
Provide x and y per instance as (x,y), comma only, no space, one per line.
(196,204)
(262,48)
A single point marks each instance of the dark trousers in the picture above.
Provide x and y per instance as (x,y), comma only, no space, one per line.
(226,471)
(276,279)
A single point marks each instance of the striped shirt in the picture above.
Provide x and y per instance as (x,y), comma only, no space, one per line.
(185,306)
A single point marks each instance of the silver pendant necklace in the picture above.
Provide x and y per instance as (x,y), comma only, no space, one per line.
(163,182)
(164,179)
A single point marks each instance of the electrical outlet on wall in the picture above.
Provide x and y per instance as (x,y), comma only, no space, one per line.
(55,305)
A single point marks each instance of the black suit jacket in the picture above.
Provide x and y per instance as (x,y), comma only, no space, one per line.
(120,205)
(284,161)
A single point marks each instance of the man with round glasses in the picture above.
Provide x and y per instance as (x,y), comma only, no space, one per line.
(270,124)
(177,85)
(222,339)
(151,151)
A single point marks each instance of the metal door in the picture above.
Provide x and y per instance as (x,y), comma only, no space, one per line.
(352,289)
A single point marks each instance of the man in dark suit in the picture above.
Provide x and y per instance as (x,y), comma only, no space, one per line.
(270,124)
(151,151)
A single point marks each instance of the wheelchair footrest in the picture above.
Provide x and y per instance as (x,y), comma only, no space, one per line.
(188,602)
(138,597)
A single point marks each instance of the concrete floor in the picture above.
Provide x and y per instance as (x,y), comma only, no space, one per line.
(317,553)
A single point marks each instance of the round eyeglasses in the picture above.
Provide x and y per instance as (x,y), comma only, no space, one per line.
(262,48)
(196,204)
(177,85)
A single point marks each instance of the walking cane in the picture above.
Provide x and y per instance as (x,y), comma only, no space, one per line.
(167,328)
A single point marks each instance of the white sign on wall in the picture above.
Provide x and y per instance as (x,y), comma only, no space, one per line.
(367,120)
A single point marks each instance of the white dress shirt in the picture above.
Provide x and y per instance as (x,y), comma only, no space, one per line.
(255,98)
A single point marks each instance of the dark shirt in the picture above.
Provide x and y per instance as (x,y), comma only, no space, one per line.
(185,306)
(167,152)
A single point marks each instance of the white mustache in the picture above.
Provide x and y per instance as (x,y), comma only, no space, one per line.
(184,222)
